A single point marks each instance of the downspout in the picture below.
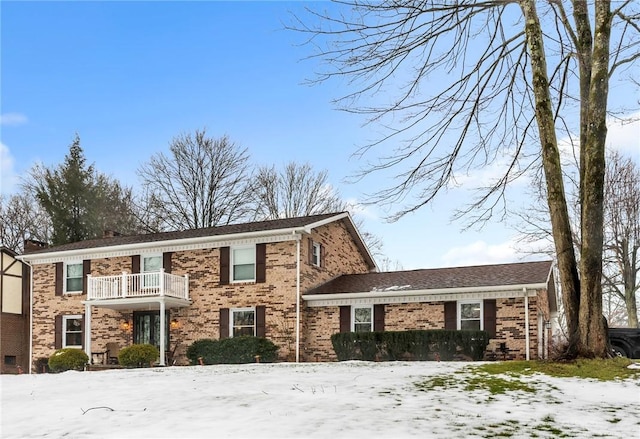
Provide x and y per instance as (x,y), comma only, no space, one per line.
(526,323)
(30,316)
(298,299)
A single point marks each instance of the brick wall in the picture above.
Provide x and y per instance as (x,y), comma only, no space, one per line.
(202,318)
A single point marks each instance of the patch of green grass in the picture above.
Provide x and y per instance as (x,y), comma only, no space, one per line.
(614,420)
(604,370)
(496,385)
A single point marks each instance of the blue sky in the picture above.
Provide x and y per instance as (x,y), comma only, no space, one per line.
(129,76)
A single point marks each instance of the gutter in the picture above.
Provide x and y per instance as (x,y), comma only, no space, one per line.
(434,291)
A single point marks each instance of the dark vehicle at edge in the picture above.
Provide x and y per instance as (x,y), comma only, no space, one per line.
(625,342)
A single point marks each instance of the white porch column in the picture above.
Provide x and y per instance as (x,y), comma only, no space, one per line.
(162,332)
(87,331)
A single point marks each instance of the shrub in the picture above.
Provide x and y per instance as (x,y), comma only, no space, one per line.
(68,359)
(236,350)
(410,345)
(138,355)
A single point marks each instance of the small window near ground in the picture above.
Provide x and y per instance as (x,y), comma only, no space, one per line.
(243,264)
(10,360)
(242,322)
(362,318)
(72,332)
(73,277)
(470,316)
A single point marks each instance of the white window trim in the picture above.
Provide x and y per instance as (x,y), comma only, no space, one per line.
(316,246)
(459,316)
(234,310)
(353,316)
(64,273)
(231,263)
(64,330)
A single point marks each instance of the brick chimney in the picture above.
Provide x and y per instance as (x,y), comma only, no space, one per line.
(31,245)
(110,234)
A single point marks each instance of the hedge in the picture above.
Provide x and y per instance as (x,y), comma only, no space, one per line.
(410,345)
(236,350)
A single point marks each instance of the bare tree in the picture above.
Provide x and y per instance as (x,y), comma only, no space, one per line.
(485,82)
(622,233)
(202,183)
(298,190)
(22,218)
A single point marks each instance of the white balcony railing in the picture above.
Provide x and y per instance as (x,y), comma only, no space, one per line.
(128,285)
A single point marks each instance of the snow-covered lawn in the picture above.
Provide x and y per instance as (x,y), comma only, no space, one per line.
(351,399)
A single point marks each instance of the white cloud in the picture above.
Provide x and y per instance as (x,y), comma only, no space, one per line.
(7,175)
(624,134)
(13,119)
(482,253)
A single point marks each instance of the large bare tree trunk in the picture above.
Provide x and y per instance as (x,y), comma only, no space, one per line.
(593,336)
(560,222)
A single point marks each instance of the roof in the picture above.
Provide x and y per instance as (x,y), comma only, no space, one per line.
(516,274)
(269,227)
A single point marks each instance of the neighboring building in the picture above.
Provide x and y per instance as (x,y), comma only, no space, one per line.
(14,318)
(295,281)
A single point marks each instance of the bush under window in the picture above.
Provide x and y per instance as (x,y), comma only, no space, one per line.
(236,350)
(410,345)
(68,359)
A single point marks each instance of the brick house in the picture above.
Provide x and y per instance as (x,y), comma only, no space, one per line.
(283,279)
(14,318)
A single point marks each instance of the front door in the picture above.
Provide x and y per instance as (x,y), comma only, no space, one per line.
(146,328)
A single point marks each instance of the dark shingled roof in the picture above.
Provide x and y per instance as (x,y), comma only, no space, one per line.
(523,273)
(231,229)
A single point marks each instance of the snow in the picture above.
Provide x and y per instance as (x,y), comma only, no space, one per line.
(392,288)
(350,399)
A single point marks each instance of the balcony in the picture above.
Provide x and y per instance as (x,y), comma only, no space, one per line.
(136,288)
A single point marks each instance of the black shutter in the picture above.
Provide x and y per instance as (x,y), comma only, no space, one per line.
(224,323)
(260,321)
(57,331)
(490,317)
(378,317)
(310,251)
(135,264)
(86,270)
(450,315)
(345,318)
(261,263)
(321,256)
(166,261)
(224,266)
(59,278)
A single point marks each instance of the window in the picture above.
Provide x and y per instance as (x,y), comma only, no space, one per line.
(315,254)
(243,264)
(362,318)
(242,322)
(73,277)
(151,266)
(10,360)
(470,315)
(72,331)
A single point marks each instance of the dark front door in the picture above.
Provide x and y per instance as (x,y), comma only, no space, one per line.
(146,328)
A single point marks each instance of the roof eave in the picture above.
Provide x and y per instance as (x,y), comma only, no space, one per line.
(519,291)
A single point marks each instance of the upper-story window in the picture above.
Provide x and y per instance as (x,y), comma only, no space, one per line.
(243,263)
(73,277)
(470,315)
(316,249)
(151,266)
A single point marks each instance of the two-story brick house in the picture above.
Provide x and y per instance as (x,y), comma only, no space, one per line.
(281,279)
